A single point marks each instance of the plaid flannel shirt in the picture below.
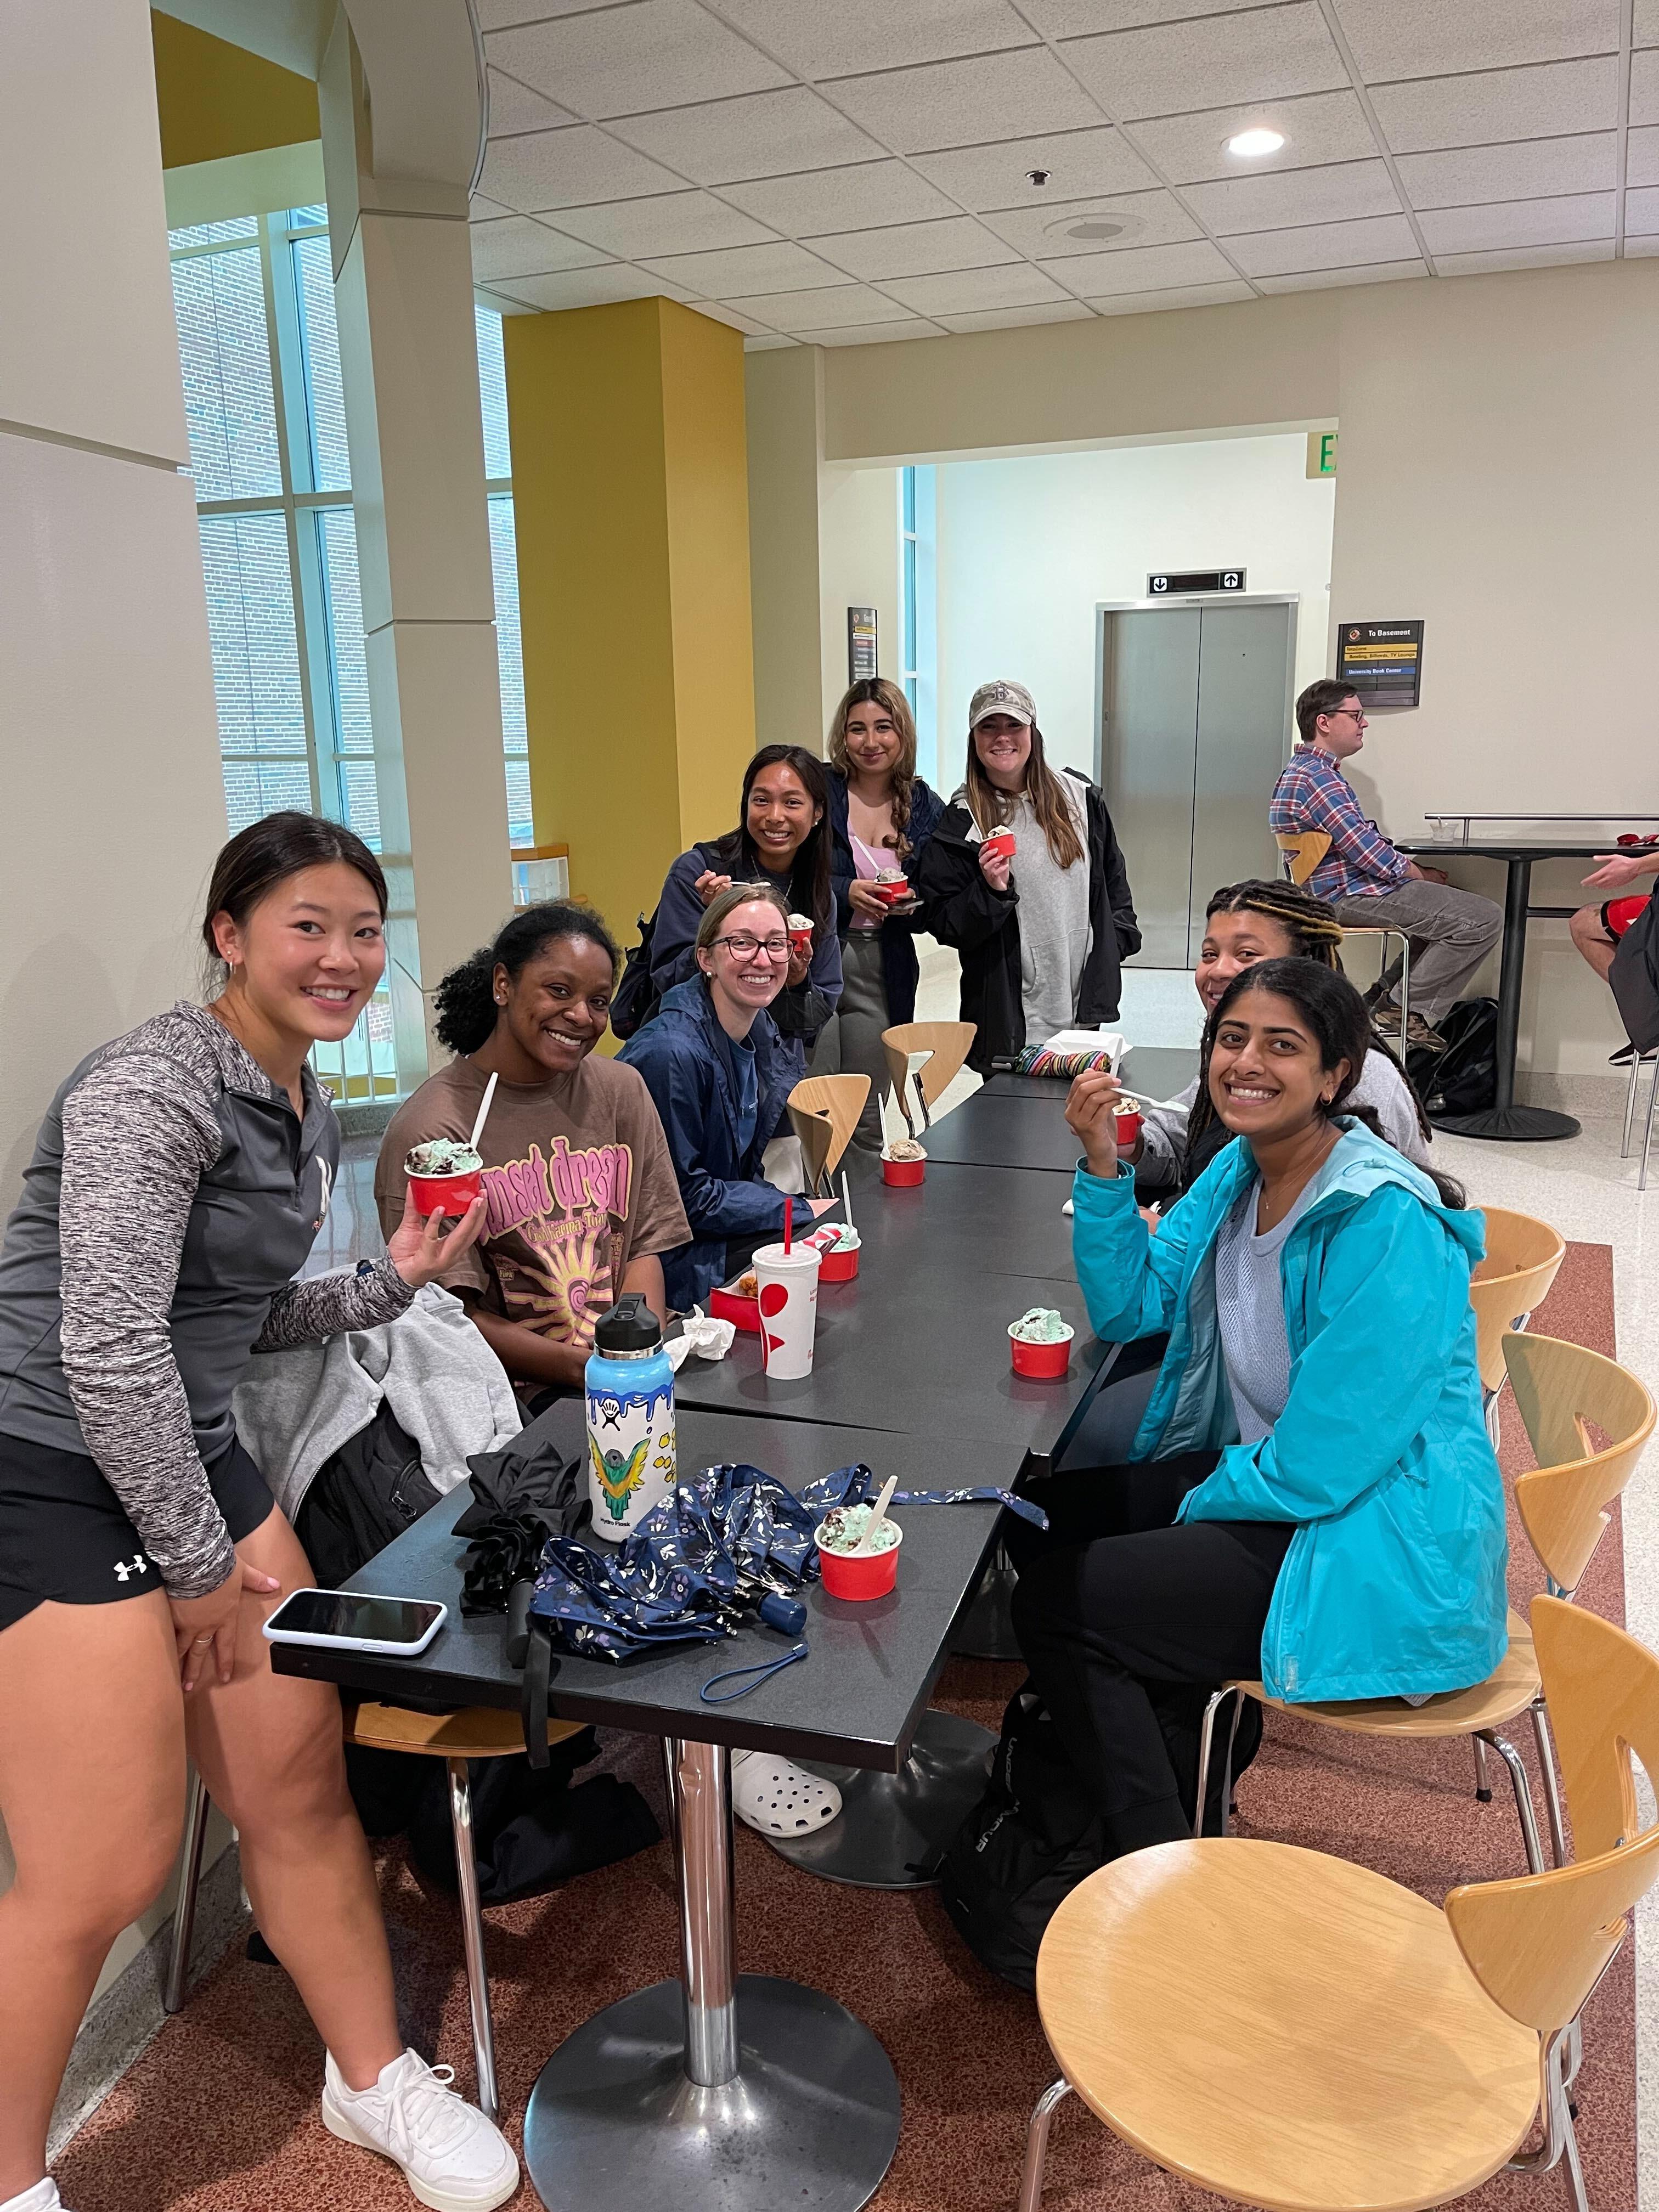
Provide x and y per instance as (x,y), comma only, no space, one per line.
(1312,793)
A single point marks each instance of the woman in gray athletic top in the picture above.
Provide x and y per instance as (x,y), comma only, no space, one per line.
(181,1176)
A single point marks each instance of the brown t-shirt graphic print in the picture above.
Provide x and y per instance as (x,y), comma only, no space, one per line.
(577,1184)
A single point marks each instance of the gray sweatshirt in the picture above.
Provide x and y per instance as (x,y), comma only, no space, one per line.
(173,1194)
(1381,1086)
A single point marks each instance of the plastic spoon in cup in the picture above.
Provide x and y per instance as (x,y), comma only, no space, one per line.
(866,1542)
(478,1126)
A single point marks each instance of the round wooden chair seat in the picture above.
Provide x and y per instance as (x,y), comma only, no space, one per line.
(475,1732)
(1283,2028)
(1504,1694)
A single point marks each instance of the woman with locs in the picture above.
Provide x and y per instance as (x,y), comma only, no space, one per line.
(1311,1498)
(1041,935)
(881,815)
(181,1176)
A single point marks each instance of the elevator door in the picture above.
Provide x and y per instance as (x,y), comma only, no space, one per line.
(1195,727)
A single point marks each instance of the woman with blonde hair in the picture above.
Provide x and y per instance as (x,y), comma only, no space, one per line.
(1043,929)
(881,815)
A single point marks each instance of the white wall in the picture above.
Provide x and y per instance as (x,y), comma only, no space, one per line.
(1027,548)
(858,567)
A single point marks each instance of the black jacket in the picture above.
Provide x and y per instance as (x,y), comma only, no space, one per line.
(960,908)
(900,970)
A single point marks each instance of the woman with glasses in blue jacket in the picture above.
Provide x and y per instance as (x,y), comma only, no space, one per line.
(1311,1497)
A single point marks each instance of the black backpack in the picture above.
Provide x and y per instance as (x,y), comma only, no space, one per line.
(637,997)
(1635,978)
(1463,1078)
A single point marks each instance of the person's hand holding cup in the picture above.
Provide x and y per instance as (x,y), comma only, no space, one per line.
(865,900)
(996,858)
(800,947)
(1092,1106)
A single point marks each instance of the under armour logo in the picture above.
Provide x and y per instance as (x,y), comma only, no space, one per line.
(326,1174)
(124,1570)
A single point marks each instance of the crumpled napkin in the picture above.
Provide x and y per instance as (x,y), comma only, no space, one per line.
(700,1333)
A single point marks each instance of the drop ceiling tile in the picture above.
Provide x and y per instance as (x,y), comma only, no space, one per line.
(1320,280)
(742,271)
(1426,38)
(569,169)
(1013,318)
(618,61)
(859,35)
(1644,86)
(1177,296)
(1642,212)
(1642,158)
(1641,248)
(1341,192)
(833,307)
(500,303)
(1143,269)
(1077,162)
(668,222)
(1517,223)
(916,249)
(519,247)
(1530,170)
(1549,100)
(504,15)
(876,333)
(762,134)
(767,344)
(515,107)
(1524,256)
(1018,285)
(721,311)
(1170,69)
(841,199)
(1147,219)
(919,111)
(1645,28)
(479,210)
(590,287)
(1325,126)
(1077,19)
(1324,245)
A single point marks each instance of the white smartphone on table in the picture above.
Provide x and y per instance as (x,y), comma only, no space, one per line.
(355,1620)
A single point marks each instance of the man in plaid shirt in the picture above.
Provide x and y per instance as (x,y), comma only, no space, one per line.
(1369,882)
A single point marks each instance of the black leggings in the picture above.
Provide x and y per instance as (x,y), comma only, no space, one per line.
(1127,1624)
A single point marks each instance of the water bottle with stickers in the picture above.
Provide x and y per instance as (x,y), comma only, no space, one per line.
(630,1418)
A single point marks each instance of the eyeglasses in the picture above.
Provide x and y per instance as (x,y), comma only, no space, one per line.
(1354,711)
(745,948)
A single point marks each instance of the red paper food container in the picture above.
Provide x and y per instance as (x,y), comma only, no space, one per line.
(446,1194)
(1000,844)
(1045,1363)
(727,1305)
(839,1266)
(872,1575)
(892,893)
(903,1173)
(1128,1128)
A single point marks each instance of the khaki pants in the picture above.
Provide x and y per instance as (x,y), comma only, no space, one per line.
(1450,932)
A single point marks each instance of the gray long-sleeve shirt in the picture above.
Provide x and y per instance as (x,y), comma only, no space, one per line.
(173,1193)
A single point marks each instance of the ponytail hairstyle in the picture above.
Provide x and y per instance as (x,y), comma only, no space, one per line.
(993,809)
(266,853)
(809,876)
(876,691)
(1337,1017)
(466,1000)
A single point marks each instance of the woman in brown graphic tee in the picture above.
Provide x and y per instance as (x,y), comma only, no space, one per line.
(579,1192)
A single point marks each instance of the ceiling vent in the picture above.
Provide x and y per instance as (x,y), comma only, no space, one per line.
(1103,229)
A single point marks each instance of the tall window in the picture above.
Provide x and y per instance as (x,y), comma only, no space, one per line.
(917,610)
(254,298)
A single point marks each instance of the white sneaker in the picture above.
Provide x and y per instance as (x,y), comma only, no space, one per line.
(452,2158)
(778,1798)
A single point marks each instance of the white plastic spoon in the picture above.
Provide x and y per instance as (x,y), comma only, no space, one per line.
(866,1542)
(478,1126)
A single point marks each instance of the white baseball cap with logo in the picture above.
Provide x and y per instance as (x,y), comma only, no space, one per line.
(1001,698)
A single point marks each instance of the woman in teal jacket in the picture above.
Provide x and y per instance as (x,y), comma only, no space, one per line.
(1312,1497)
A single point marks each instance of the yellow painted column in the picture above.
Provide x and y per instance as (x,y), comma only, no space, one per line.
(631,508)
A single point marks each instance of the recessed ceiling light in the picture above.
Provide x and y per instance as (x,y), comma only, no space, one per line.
(1251,145)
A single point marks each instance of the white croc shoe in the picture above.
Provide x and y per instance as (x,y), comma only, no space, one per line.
(778,1798)
(453,2158)
(41,2197)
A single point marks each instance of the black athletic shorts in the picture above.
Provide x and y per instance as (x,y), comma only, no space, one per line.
(64,1537)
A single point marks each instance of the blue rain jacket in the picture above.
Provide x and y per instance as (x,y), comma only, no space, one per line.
(1395,1581)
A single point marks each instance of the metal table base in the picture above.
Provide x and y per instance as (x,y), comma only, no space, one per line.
(985,1627)
(712,2093)
(893,1826)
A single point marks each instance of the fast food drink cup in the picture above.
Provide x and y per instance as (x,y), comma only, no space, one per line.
(1000,845)
(871,1574)
(1129,1127)
(800,934)
(446,1194)
(788,1286)
(1043,1363)
(903,1173)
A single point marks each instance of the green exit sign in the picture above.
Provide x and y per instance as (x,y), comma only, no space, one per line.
(1321,452)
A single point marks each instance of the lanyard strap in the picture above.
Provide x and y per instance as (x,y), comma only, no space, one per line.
(762,1672)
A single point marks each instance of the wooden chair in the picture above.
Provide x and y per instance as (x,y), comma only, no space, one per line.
(1563,1503)
(1303,851)
(1292,2032)
(474,1732)
(1523,1257)
(947,1045)
(824,1112)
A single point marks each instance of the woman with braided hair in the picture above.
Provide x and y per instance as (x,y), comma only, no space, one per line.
(1245,923)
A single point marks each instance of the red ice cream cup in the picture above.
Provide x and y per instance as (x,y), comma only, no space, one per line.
(1044,1363)
(1128,1128)
(1000,845)
(839,1266)
(871,1574)
(446,1194)
(903,1173)
(800,935)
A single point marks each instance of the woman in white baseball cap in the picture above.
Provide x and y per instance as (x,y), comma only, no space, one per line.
(1024,875)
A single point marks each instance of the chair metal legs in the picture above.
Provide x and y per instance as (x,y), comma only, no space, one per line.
(1511,1758)
(1037,2145)
(190,1881)
(477,1979)
(1638,1061)
(1482,1777)
(1560,2144)
(1541,1734)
